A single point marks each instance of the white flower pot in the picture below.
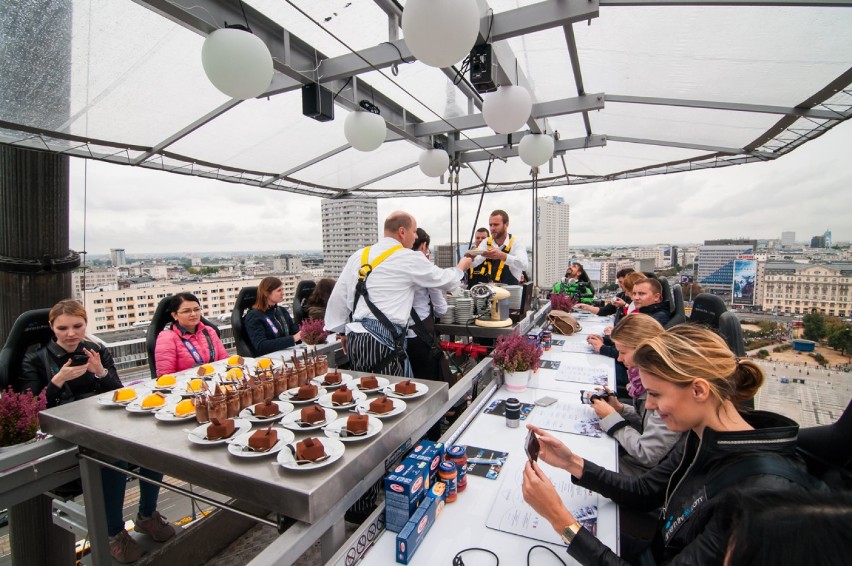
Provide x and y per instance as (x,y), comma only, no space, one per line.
(516,381)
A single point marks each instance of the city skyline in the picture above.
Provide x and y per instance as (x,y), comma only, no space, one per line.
(158,212)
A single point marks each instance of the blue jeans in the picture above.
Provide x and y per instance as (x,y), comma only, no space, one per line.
(114,483)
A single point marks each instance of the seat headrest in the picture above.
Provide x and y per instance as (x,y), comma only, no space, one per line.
(706,309)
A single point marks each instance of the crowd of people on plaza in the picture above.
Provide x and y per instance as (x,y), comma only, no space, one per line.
(692,460)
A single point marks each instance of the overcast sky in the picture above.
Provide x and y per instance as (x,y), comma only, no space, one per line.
(807,191)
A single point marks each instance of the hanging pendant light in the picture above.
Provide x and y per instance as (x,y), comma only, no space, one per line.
(365,130)
(507,109)
(536,149)
(237,62)
(433,162)
(440,33)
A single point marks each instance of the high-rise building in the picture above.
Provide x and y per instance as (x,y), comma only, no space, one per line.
(347,225)
(118,257)
(716,263)
(827,237)
(552,240)
(444,255)
(788,238)
(818,242)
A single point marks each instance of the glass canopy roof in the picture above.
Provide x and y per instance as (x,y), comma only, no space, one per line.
(632,87)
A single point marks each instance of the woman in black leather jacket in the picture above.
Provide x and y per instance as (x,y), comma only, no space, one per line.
(693,382)
(268,324)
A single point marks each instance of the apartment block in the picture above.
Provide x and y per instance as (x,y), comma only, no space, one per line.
(347,225)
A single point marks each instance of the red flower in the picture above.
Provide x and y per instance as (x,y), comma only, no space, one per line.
(313,331)
(516,353)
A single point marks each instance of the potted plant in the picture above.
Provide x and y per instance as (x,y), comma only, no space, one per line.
(518,358)
(19,416)
(560,302)
(313,332)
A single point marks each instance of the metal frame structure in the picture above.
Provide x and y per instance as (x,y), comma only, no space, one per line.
(826,108)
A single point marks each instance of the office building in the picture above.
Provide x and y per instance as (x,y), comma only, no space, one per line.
(552,240)
(800,288)
(716,263)
(347,225)
(287,263)
(443,255)
(118,257)
(827,238)
(788,238)
(818,242)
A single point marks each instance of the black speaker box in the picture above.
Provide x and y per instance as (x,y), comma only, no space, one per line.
(317,102)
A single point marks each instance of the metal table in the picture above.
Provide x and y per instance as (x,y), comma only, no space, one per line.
(161,446)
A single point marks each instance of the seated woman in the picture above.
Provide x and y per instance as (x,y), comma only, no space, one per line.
(69,368)
(186,342)
(576,283)
(694,382)
(318,299)
(268,326)
(641,433)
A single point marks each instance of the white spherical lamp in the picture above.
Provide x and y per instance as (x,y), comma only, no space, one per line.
(237,62)
(536,149)
(434,162)
(440,33)
(364,131)
(507,109)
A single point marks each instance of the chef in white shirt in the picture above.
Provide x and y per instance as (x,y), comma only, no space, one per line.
(394,273)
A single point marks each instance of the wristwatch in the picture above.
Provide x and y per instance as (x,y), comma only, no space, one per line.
(569,532)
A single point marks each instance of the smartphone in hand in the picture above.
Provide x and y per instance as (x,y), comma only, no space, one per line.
(79,360)
(532,446)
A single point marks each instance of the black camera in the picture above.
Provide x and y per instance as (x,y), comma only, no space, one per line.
(586,397)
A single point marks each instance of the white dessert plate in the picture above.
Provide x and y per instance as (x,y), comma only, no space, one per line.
(334,448)
(167,414)
(239,445)
(293,420)
(290,395)
(136,405)
(422,389)
(283,408)
(336,429)
(106,398)
(383,382)
(357,396)
(364,408)
(198,435)
(320,381)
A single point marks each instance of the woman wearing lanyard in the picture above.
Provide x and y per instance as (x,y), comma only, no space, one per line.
(186,342)
(268,326)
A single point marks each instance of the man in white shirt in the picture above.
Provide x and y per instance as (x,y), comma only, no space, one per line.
(505,258)
(395,273)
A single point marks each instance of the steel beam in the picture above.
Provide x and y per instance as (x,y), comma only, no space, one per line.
(801,112)
(571,43)
(561,146)
(695,146)
(585,103)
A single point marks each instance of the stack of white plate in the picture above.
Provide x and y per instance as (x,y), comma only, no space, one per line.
(464,310)
(515,296)
(450,315)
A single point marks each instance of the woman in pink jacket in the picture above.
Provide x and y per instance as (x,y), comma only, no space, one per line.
(186,342)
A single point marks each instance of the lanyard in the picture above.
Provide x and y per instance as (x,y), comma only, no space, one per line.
(193,352)
(271,321)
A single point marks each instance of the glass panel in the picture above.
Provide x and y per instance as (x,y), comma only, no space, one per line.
(264,135)
(771,55)
(617,157)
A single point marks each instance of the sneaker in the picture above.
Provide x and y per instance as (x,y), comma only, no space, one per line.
(156,526)
(124,549)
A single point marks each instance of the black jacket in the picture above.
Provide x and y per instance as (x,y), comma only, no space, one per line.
(693,528)
(270,331)
(39,367)
(610,308)
(661,312)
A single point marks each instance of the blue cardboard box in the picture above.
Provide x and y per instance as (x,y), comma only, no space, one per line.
(405,487)
(412,534)
(430,452)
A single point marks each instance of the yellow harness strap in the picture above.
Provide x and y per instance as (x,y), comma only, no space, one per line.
(507,248)
(368,266)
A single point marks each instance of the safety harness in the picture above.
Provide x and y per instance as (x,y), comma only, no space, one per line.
(507,248)
(397,334)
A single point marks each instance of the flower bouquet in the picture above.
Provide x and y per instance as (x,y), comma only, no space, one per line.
(313,332)
(560,302)
(516,354)
(19,416)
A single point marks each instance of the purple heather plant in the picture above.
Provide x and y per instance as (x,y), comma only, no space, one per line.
(562,302)
(19,416)
(313,332)
(516,353)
